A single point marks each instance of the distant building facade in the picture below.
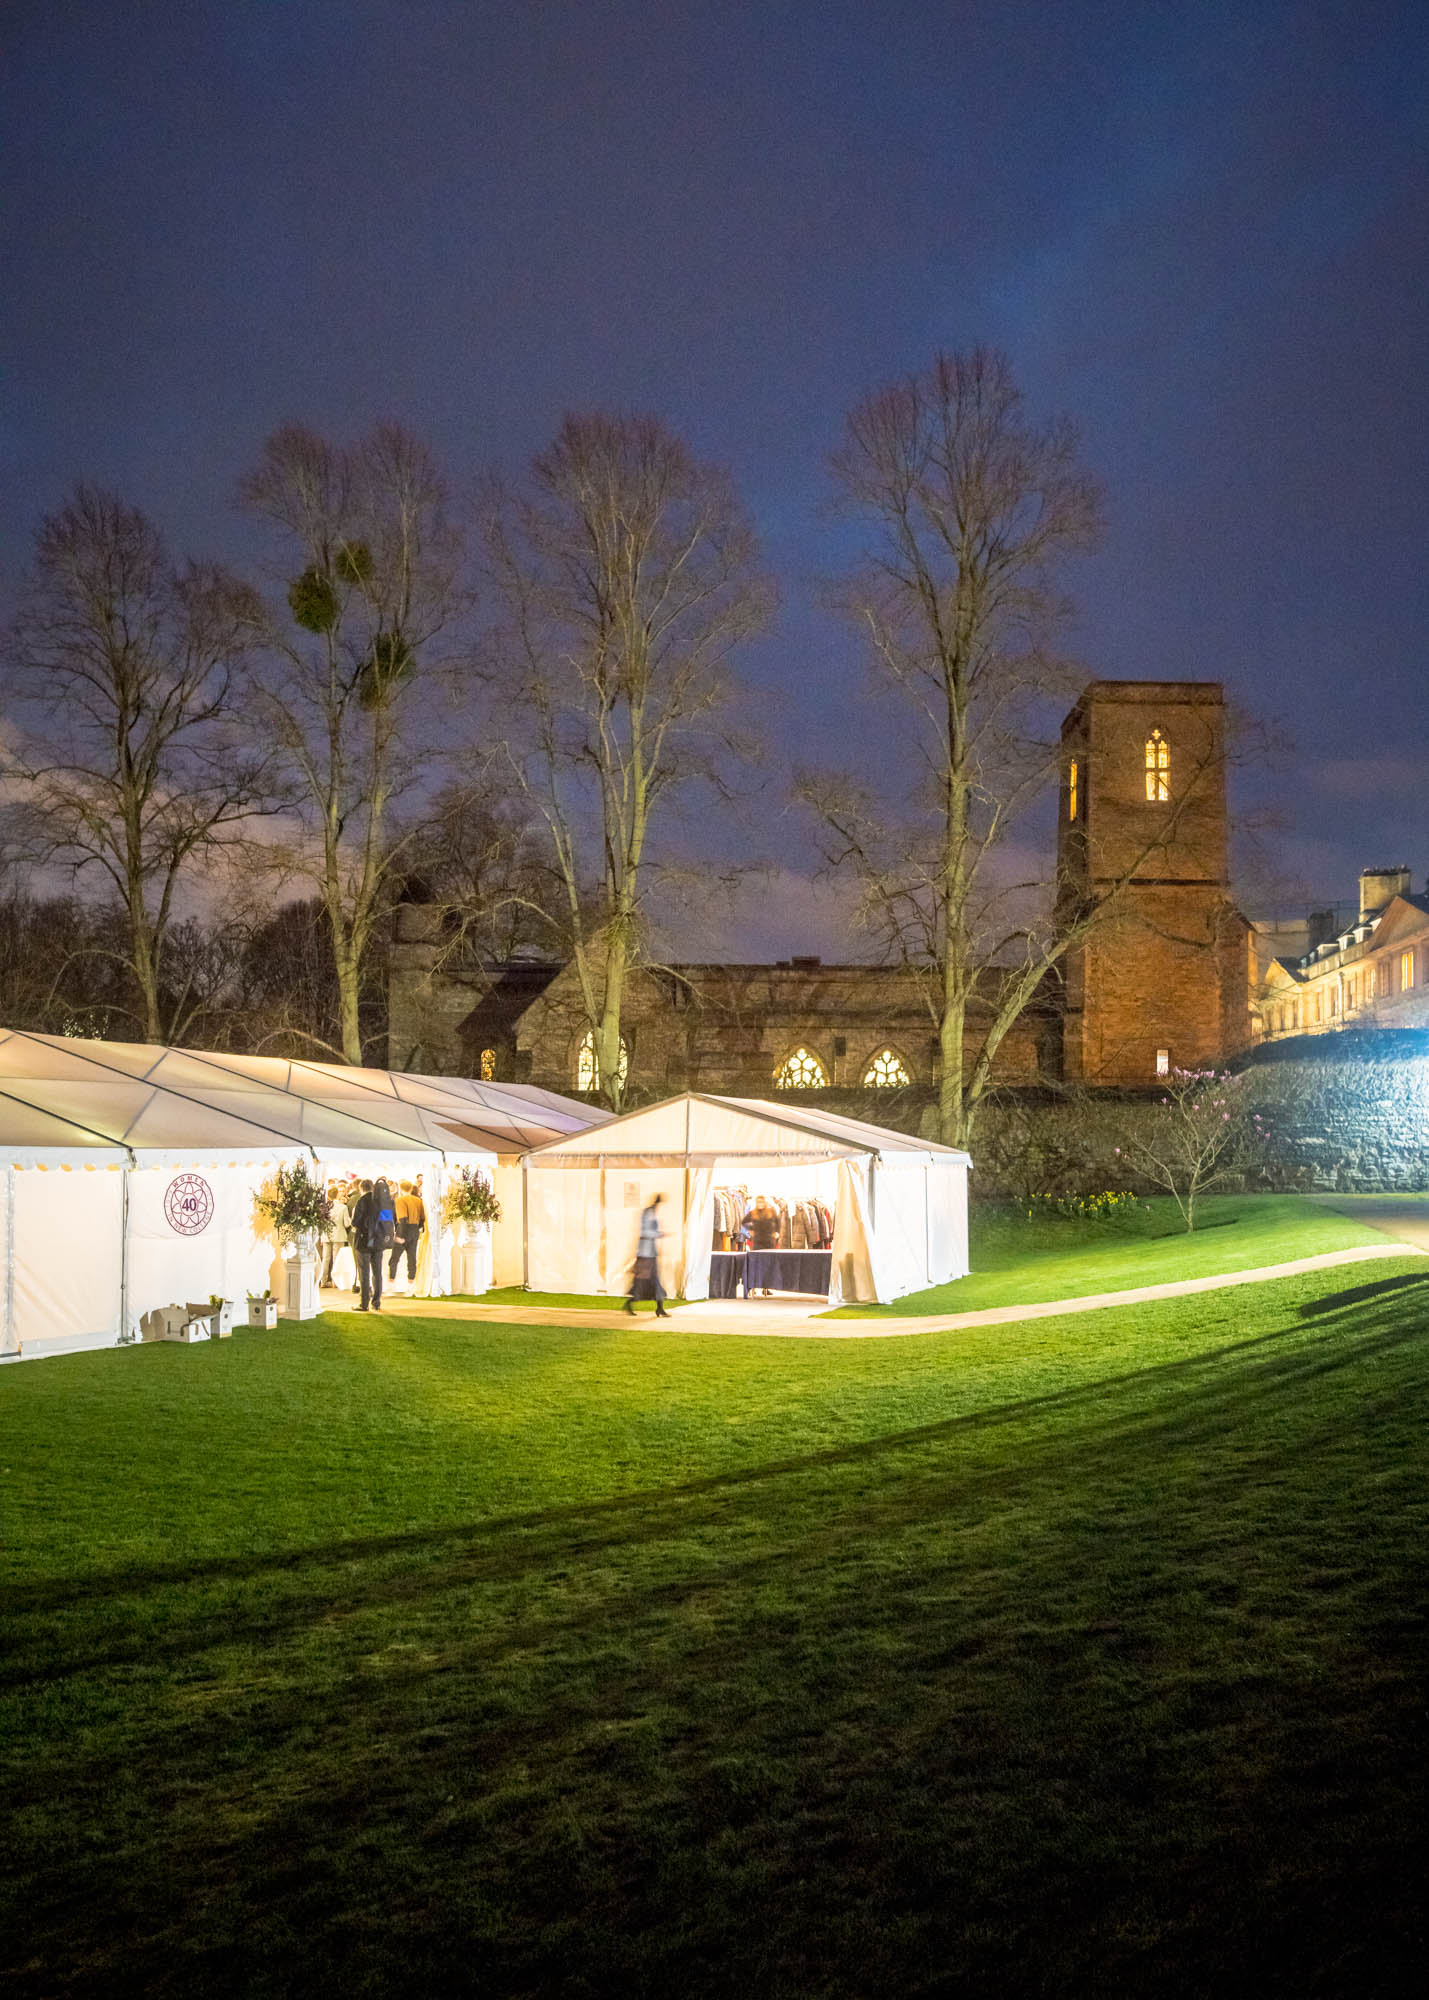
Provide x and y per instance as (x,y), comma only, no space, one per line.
(1319,978)
(1163,981)
(737,1029)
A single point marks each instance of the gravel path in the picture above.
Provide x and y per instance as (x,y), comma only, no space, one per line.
(798,1319)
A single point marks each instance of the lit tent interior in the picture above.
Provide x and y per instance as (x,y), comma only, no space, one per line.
(127,1171)
(898,1203)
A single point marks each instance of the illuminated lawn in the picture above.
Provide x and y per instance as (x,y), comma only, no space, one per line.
(1017,1262)
(394,1655)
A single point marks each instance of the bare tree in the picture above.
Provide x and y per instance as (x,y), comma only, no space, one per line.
(343,691)
(626,575)
(972,509)
(133,769)
(1203,1132)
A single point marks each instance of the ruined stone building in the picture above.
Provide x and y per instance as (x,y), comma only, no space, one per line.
(1162,982)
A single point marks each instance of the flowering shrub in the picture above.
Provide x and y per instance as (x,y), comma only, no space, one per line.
(470,1197)
(1202,1134)
(293,1205)
(1114,1205)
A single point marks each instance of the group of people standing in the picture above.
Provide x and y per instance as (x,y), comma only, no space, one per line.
(368,1222)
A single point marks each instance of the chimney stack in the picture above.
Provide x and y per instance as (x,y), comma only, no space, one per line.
(1379,887)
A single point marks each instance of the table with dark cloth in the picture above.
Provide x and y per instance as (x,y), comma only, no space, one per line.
(788,1271)
(726,1273)
(772,1270)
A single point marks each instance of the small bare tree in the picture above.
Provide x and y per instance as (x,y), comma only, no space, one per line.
(972,508)
(133,769)
(1203,1132)
(626,576)
(372,581)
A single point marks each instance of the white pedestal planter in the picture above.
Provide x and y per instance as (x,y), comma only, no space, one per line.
(471,1257)
(300,1282)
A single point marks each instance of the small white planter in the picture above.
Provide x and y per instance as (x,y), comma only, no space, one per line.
(220,1316)
(263,1312)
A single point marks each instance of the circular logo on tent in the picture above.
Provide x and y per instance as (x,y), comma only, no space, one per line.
(189,1204)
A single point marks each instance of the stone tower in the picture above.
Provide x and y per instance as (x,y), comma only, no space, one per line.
(1161,981)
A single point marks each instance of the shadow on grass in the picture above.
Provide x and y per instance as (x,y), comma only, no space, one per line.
(1112,1422)
(1359,1294)
(1113,1703)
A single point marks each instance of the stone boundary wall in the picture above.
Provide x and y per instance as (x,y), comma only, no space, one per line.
(1348,1127)
(1352,1119)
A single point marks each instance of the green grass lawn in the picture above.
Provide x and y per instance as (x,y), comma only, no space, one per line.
(394,1655)
(1017,1262)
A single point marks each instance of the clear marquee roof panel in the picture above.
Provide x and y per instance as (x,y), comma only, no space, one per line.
(77,1093)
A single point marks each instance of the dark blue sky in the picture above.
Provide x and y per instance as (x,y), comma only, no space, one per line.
(1200,230)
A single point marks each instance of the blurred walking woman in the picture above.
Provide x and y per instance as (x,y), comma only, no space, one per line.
(645,1283)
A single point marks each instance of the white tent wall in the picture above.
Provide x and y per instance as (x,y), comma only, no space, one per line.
(853,1275)
(176,1255)
(564,1239)
(64,1268)
(697,1244)
(583,1224)
(948,1221)
(628,1192)
(508,1233)
(900,1228)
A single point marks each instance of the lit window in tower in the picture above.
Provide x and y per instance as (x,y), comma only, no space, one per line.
(1158,768)
(1072,789)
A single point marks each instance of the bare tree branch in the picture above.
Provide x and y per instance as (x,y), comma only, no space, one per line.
(134,767)
(372,582)
(627,576)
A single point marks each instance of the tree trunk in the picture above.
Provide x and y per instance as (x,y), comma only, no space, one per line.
(607,1034)
(349,985)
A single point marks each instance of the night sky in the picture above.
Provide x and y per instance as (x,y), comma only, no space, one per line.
(1200,230)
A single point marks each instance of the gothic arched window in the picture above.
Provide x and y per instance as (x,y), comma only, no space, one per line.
(587,1068)
(1158,768)
(801,1071)
(488,1065)
(886,1071)
(1072,789)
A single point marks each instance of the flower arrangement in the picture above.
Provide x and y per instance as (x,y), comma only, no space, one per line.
(470,1197)
(1114,1205)
(293,1205)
